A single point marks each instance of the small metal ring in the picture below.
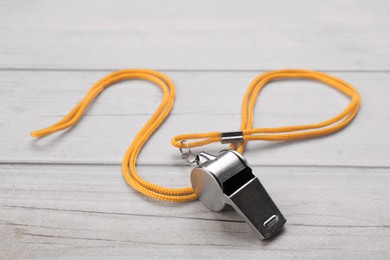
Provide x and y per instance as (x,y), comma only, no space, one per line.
(186,155)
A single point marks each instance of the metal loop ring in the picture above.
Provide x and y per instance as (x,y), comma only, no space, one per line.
(186,155)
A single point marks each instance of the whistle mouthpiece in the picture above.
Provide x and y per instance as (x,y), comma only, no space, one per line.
(227,179)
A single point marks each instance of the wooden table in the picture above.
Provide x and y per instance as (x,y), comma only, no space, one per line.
(64,197)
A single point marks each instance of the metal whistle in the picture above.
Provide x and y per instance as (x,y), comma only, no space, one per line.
(227,179)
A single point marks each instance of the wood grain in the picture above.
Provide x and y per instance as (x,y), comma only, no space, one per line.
(64,197)
(202,35)
(69,211)
(205,102)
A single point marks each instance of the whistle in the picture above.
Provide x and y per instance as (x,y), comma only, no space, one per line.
(226,179)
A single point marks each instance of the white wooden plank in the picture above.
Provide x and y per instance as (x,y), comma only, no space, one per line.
(70,211)
(206,101)
(343,35)
(64,196)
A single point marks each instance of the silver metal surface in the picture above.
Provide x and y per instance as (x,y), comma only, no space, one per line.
(204,157)
(188,154)
(227,179)
(232,137)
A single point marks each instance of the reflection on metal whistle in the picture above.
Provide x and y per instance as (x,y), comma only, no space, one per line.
(227,179)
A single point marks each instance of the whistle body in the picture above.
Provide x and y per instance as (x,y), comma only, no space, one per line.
(227,179)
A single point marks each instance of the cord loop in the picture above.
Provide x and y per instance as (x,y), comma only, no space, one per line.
(248,132)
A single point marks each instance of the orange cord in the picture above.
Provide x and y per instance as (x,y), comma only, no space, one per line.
(270,134)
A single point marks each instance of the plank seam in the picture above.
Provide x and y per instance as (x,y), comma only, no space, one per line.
(9,163)
(186,70)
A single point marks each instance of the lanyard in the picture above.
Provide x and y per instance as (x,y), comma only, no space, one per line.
(247,133)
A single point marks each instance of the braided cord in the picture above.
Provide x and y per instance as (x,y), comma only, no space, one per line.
(249,134)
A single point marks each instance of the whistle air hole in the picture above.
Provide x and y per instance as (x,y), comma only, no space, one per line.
(271,221)
(237,181)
